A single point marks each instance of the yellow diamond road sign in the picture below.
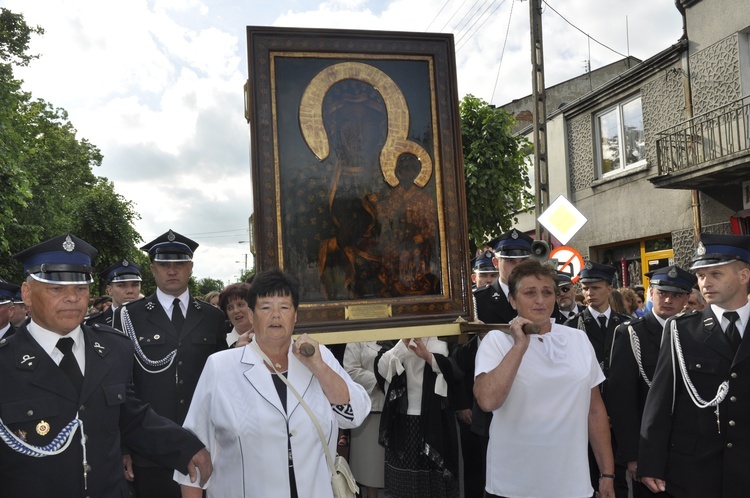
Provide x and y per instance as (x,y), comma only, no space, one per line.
(562,219)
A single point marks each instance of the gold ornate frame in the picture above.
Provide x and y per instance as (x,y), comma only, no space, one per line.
(358,184)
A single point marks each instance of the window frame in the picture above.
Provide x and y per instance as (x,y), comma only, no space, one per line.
(618,108)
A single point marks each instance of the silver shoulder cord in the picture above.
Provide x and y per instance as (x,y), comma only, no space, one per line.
(635,344)
(721,392)
(59,444)
(140,356)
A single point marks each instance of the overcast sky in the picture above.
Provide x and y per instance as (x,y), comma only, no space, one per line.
(157,85)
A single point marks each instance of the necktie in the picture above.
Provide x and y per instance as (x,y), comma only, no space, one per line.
(602,322)
(732,333)
(69,365)
(178,319)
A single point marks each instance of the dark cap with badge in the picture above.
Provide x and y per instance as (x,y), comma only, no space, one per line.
(8,292)
(563,279)
(170,246)
(18,298)
(122,271)
(63,260)
(717,249)
(672,279)
(512,245)
(483,263)
(596,272)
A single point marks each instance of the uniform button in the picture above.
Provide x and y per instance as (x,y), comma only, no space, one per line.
(205,339)
(30,413)
(148,340)
(733,399)
(734,375)
(294,432)
(179,363)
(82,408)
(697,365)
(729,445)
(182,381)
(179,344)
(182,401)
(731,423)
(119,397)
(157,337)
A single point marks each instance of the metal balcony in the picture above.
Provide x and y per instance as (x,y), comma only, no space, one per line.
(707,151)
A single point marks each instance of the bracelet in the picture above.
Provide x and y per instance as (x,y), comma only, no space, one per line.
(607,476)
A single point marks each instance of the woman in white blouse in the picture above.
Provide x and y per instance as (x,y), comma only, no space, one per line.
(543,392)
(262,443)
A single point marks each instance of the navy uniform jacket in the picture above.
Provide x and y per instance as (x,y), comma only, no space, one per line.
(602,343)
(627,389)
(683,445)
(492,305)
(105,317)
(170,392)
(34,389)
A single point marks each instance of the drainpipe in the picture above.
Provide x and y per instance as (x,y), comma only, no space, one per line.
(688,93)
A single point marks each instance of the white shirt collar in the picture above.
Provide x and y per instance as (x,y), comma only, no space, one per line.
(167,300)
(4,330)
(48,341)
(661,320)
(504,287)
(596,314)
(743,312)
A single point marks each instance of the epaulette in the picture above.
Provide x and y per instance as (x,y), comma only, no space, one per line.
(133,301)
(478,289)
(92,316)
(686,314)
(102,327)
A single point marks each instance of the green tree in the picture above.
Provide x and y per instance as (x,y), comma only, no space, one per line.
(47,172)
(208,284)
(496,170)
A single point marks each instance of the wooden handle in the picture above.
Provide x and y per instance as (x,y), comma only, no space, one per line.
(528,329)
(307,349)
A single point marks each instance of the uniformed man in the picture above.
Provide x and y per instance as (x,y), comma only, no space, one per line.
(19,315)
(173,334)
(492,305)
(696,301)
(599,321)
(123,285)
(695,434)
(66,400)
(484,272)
(7,310)
(633,362)
(567,306)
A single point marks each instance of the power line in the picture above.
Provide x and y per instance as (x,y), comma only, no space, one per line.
(438,14)
(579,29)
(219,231)
(453,15)
(482,24)
(502,53)
(460,25)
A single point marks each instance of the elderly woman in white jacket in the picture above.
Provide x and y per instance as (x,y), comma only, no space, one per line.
(262,443)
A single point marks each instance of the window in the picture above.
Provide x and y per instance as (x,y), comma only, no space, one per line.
(619,135)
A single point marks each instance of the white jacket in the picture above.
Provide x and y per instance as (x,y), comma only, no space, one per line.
(236,412)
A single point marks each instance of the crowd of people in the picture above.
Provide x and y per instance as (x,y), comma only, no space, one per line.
(581,390)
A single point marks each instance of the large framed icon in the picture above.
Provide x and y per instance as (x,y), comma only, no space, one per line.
(358,184)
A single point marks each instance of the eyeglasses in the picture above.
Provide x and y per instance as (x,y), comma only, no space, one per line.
(565,288)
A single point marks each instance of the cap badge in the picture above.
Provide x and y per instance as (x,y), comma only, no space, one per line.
(170,236)
(701,249)
(149,306)
(69,245)
(125,262)
(673,273)
(514,234)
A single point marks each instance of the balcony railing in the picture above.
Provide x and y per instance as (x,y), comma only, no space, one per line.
(717,134)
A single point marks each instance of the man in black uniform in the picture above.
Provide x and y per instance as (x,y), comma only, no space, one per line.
(123,285)
(484,272)
(173,334)
(695,434)
(599,321)
(66,399)
(7,309)
(634,356)
(566,298)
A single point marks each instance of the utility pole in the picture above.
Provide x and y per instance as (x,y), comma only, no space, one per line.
(540,117)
